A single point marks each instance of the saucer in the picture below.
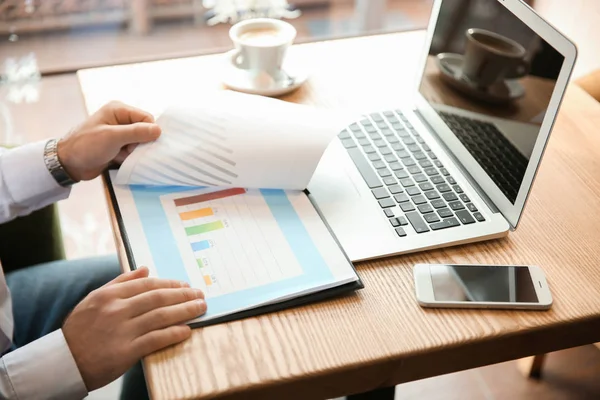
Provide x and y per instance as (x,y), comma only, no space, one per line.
(291,78)
(450,65)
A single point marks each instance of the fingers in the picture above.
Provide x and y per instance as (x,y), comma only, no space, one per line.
(166,316)
(131,275)
(125,152)
(126,114)
(139,132)
(156,340)
(159,298)
(139,286)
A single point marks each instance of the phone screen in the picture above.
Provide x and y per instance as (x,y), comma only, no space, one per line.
(507,284)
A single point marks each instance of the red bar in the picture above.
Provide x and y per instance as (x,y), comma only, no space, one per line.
(186,201)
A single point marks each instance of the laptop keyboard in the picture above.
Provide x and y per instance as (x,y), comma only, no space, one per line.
(405,176)
(496,155)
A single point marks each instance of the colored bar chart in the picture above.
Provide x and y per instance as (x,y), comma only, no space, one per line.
(201,245)
(186,201)
(201,213)
(204,228)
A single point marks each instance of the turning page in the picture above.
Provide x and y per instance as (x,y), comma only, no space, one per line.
(235,140)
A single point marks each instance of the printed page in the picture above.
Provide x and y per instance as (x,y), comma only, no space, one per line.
(243,247)
(235,140)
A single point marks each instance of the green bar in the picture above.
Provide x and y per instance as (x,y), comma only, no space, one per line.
(200,263)
(204,228)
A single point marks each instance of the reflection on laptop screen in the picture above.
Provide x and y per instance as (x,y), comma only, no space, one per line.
(490,78)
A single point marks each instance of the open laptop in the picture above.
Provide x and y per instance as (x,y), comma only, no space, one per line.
(457,166)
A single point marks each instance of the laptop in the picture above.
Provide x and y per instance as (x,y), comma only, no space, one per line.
(458,165)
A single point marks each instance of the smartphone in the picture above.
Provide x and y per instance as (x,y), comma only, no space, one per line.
(482,286)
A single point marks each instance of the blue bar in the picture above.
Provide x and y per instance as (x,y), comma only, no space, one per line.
(202,245)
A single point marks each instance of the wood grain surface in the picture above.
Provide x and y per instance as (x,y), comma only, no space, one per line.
(380,336)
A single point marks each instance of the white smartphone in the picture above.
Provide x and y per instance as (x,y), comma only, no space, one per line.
(482,286)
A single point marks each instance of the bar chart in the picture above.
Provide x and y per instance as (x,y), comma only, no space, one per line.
(225,234)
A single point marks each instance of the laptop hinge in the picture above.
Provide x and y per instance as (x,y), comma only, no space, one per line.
(463,170)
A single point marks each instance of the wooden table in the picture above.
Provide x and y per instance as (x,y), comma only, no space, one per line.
(379,336)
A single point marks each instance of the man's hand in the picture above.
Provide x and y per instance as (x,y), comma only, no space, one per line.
(127,319)
(109,135)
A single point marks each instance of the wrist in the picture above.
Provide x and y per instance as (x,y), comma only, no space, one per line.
(54,160)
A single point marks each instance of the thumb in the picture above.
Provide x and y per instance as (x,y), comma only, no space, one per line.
(139,132)
(139,273)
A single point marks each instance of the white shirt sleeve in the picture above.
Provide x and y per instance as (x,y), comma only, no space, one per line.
(43,369)
(25,183)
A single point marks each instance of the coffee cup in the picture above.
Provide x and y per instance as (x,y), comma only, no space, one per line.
(261,45)
(490,57)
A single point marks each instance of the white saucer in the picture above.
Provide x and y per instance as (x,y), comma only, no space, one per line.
(291,78)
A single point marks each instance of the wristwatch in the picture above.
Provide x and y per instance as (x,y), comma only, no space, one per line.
(54,166)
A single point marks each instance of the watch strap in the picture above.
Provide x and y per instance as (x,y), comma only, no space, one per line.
(54,166)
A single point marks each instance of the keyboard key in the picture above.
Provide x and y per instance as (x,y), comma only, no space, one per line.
(425,163)
(444,171)
(380,143)
(381,124)
(390,158)
(407,182)
(401,198)
(432,155)
(431,171)
(375,136)
(420,178)
(389,114)
(456,205)
(420,199)
(406,207)
(376,117)
(380,193)
(417,222)
(384,172)
(445,213)
(425,186)
(464,198)
(396,166)
(389,212)
(403,221)
(425,147)
(425,208)
(450,196)
(479,217)
(374,157)
(471,207)
(379,164)
(413,191)
(420,139)
(400,232)
(438,164)
(408,162)
(447,223)
(443,188)
(370,128)
(431,218)
(403,133)
(348,143)
(414,170)
(465,217)
(395,222)
(403,154)
(389,180)
(419,155)
(451,180)
(438,203)
(413,147)
(364,141)
(386,151)
(457,189)
(359,135)
(393,139)
(344,135)
(385,203)
(369,149)
(408,141)
(437,180)
(370,177)
(397,147)
(401,174)
(394,189)
(432,194)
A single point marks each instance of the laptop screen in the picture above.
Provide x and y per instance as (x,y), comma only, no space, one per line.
(490,79)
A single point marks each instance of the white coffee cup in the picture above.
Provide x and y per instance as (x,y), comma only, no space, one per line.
(261,45)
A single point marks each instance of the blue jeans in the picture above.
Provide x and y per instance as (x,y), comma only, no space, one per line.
(44,295)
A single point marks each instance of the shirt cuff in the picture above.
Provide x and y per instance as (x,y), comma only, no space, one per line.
(45,368)
(27,178)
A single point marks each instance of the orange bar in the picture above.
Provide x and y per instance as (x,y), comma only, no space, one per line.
(207,280)
(203,212)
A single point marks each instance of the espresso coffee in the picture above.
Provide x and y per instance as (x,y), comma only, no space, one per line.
(262,37)
(497,44)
